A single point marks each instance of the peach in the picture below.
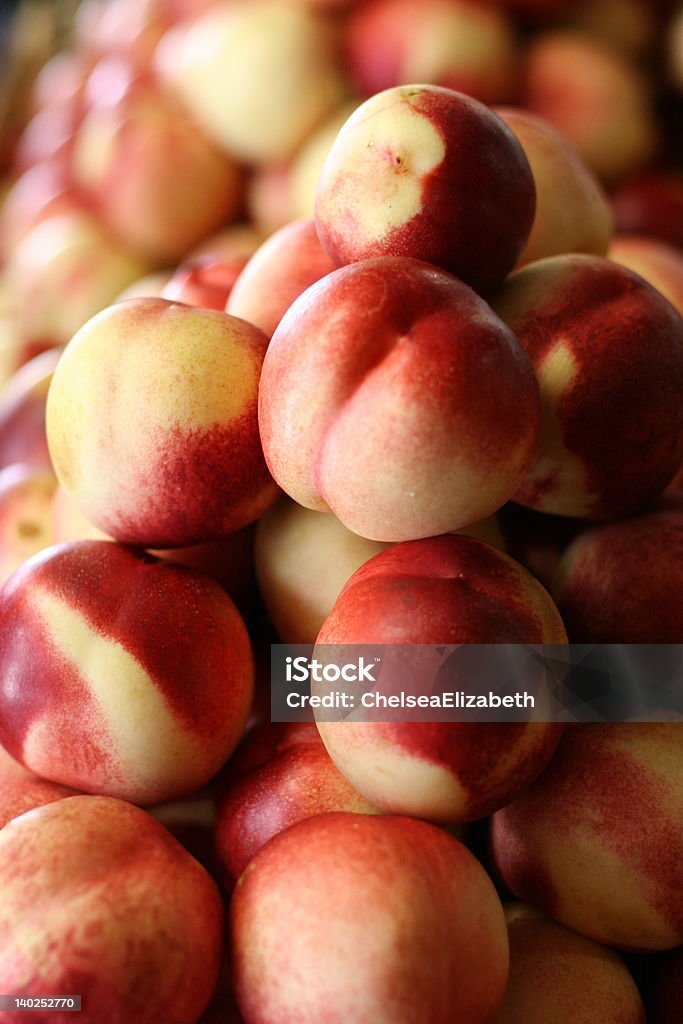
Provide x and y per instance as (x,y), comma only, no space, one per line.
(596,842)
(595,96)
(297,781)
(304,558)
(157,183)
(22,412)
(287,263)
(608,353)
(25,515)
(353,918)
(559,976)
(99,900)
(280,60)
(393,397)
(572,211)
(64,271)
(651,204)
(427,172)
(77,617)
(205,283)
(622,583)
(152,423)
(441,591)
(459,44)
(21,790)
(660,264)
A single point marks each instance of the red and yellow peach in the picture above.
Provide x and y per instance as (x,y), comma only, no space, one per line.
(597,841)
(98,899)
(557,975)
(622,583)
(136,677)
(418,933)
(152,423)
(572,211)
(427,172)
(303,559)
(393,397)
(206,283)
(445,590)
(296,780)
(287,263)
(608,353)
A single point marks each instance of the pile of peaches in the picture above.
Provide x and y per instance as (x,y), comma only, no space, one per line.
(337,322)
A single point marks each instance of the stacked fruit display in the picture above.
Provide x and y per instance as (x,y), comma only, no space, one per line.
(316,327)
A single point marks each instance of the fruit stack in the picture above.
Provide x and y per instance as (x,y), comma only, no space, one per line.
(348,321)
